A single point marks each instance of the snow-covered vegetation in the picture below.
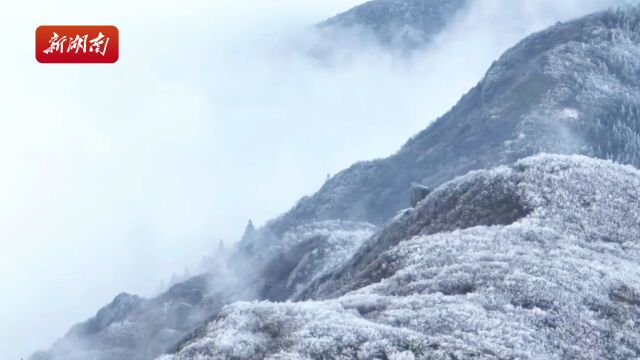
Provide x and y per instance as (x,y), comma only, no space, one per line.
(571,89)
(562,281)
(135,328)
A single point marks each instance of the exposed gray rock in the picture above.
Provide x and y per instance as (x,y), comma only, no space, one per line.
(418,193)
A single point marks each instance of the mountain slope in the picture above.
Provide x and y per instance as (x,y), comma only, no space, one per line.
(560,280)
(571,89)
(397,24)
(133,328)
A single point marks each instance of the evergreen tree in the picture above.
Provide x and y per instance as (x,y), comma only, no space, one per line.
(249,232)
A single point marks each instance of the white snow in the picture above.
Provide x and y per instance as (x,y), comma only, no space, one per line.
(562,282)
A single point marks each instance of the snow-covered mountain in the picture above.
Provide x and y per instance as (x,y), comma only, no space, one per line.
(533,258)
(398,24)
(132,328)
(570,89)
(540,260)
(135,328)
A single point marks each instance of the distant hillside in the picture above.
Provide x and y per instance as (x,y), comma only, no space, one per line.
(398,24)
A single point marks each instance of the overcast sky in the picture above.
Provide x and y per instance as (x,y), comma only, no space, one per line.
(113,177)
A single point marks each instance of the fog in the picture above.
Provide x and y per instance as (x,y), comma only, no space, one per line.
(114,177)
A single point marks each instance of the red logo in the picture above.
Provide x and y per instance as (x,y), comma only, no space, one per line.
(77,44)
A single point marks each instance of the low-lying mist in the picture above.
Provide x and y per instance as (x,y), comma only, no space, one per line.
(114,177)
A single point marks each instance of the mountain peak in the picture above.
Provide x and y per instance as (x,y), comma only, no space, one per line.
(398,24)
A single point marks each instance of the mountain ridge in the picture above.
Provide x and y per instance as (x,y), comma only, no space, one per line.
(557,281)
(534,100)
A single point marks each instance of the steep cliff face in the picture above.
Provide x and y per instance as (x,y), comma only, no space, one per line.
(571,89)
(552,272)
